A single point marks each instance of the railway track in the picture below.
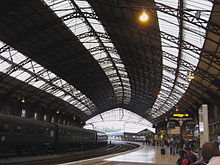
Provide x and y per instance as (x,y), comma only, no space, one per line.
(68,157)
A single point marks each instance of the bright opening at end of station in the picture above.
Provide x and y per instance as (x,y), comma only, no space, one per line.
(117,121)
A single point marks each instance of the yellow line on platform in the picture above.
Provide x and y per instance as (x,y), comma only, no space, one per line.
(102,163)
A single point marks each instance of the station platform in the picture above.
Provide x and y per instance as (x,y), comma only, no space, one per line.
(149,155)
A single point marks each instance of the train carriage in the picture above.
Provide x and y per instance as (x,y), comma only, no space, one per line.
(102,138)
(70,136)
(21,133)
(18,133)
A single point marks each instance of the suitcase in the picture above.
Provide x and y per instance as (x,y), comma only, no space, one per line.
(171,150)
(162,151)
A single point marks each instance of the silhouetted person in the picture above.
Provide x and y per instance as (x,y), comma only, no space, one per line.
(211,153)
(181,143)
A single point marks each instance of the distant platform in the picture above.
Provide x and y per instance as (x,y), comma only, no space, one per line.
(148,155)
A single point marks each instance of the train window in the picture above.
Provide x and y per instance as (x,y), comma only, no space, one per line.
(61,132)
(4,127)
(42,130)
(51,133)
(47,131)
(17,129)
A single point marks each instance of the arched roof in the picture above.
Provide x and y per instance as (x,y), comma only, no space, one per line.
(93,56)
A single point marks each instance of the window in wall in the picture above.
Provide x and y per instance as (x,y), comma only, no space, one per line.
(17,129)
(23,113)
(45,117)
(35,115)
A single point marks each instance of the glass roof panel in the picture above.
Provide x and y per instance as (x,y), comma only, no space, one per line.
(96,25)
(192,34)
(5,66)
(37,84)
(37,76)
(87,23)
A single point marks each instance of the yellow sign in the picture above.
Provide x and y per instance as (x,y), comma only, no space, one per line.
(180,115)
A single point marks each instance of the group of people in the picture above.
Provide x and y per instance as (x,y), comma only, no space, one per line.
(209,154)
(189,154)
(177,144)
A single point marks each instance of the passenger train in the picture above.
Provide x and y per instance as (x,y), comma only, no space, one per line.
(32,135)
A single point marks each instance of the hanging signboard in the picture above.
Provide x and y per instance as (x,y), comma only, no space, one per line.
(180,115)
(175,131)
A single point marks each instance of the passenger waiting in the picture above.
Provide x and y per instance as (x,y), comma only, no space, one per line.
(211,153)
(173,146)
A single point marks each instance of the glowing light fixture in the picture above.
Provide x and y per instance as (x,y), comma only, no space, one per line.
(191,76)
(144,17)
(158,95)
(23,100)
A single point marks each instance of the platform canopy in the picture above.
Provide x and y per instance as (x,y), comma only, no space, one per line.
(85,57)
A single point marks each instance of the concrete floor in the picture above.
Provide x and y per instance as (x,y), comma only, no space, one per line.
(148,155)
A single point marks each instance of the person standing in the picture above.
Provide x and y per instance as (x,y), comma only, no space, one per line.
(166,144)
(173,145)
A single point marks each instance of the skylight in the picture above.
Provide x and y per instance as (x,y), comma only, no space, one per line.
(194,35)
(23,68)
(95,39)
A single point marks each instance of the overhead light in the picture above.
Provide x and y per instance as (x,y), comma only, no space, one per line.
(23,100)
(191,76)
(158,95)
(144,17)
(58,112)
(177,109)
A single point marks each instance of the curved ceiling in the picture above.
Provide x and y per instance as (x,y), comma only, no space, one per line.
(94,55)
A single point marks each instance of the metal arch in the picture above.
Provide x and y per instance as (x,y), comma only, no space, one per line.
(185,45)
(180,47)
(199,71)
(197,85)
(191,47)
(172,57)
(173,12)
(202,88)
(166,54)
(34,75)
(173,39)
(214,28)
(95,34)
(183,63)
(168,10)
(89,34)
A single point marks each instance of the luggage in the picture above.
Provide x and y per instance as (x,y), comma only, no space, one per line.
(162,151)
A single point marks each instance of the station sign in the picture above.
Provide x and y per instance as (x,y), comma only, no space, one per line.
(162,131)
(180,115)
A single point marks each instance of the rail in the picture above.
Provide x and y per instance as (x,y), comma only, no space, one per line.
(68,157)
